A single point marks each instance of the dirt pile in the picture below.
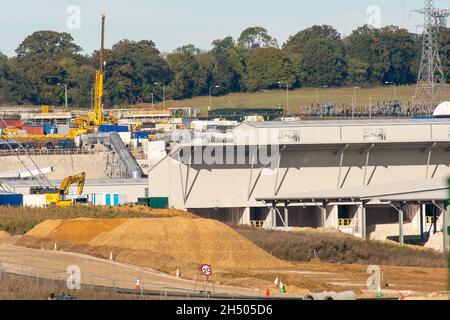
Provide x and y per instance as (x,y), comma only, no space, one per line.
(436,242)
(160,213)
(183,239)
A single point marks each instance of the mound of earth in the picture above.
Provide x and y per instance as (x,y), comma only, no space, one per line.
(183,239)
(4,236)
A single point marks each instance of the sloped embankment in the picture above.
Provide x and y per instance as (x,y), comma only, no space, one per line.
(173,241)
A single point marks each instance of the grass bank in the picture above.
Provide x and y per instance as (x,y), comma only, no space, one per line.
(336,248)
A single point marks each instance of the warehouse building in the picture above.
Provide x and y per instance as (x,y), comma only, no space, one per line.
(323,173)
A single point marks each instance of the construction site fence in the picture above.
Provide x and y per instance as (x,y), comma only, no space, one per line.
(52,278)
(366,112)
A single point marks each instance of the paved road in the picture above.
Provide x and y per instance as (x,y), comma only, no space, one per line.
(53,265)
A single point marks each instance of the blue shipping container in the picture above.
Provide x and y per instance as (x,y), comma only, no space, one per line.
(11,200)
(105,128)
(50,129)
(141,135)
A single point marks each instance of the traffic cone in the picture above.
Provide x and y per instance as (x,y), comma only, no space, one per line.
(138,285)
(282,287)
(379,293)
(267,294)
(276,282)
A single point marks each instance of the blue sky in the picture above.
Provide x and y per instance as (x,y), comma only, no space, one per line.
(172,23)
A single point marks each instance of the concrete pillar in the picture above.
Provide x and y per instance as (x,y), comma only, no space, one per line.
(323,216)
(245,217)
(286,215)
(400,222)
(332,219)
(435,220)
(363,219)
(446,229)
(273,215)
(422,224)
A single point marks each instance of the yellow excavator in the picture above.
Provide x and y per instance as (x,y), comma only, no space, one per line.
(59,198)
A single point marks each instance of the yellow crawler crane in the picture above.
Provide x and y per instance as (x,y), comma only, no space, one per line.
(59,198)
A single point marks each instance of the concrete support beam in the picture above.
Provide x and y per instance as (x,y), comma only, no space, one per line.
(323,216)
(273,216)
(401,223)
(446,229)
(245,217)
(422,224)
(286,215)
(363,223)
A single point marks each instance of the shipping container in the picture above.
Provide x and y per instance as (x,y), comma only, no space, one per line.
(35,200)
(105,128)
(11,200)
(63,129)
(34,130)
(154,202)
(159,203)
(12,124)
(141,135)
(49,129)
(107,199)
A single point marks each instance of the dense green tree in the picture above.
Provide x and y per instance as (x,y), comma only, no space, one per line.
(296,43)
(318,56)
(41,60)
(387,54)
(266,67)
(132,70)
(190,77)
(225,65)
(444,49)
(323,63)
(256,37)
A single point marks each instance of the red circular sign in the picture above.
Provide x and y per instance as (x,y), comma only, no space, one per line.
(206,270)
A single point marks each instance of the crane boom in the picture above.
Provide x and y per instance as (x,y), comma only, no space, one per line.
(99,78)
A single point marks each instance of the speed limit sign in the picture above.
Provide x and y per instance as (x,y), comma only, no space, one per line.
(206,270)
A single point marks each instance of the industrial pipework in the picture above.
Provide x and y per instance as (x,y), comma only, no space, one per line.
(125,156)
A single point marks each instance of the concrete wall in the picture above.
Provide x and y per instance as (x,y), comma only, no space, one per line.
(237,186)
(347,131)
(63,165)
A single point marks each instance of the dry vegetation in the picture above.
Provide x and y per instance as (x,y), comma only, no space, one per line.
(13,287)
(338,248)
(18,221)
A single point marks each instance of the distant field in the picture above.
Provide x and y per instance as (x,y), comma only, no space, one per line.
(299,99)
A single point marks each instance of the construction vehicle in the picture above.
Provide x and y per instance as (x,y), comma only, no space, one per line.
(59,197)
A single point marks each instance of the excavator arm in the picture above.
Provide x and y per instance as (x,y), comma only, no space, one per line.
(67,182)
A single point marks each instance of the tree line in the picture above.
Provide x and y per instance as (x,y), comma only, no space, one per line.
(136,71)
